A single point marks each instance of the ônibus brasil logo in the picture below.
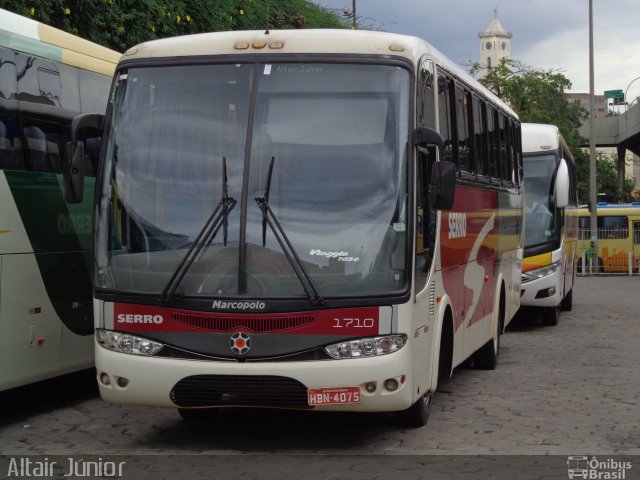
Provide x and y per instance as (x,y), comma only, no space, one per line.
(238,305)
(240,343)
(592,468)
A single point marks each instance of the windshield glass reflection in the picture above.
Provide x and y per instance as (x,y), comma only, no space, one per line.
(336,136)
(540,221)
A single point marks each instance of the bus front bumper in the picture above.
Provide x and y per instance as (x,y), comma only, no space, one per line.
(542,292)
(154,381)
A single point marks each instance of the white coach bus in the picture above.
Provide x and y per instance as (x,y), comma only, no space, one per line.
(320,220)
(47,77)
(551,221)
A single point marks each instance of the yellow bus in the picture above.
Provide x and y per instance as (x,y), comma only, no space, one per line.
(618,238)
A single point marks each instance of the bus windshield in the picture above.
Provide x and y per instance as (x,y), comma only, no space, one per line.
(322,145)
(540,220)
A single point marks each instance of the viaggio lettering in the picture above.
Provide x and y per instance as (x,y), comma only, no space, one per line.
(238,305)
(321,253)
(340,256)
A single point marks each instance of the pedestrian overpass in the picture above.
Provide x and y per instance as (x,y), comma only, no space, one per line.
(621,132)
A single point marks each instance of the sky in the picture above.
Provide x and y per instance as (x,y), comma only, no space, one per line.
(547,34)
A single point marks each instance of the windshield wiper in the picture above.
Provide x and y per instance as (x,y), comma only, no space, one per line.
(218,218)
(268,217)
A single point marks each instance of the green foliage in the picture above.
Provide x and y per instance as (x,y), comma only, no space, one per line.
(120,24)
(607,180)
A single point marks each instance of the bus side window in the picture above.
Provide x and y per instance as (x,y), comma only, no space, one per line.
(479,136)
(502,159)
(613,227)
(44,143)
(426,111)
(512,152)
(36,150)
(462,129)
(493,144)
(519,167)
(10,149)
(445,117)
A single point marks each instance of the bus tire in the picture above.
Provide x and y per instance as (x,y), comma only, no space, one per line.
(486,358)
(551,316)
(197,414)
(417,415)
(567,301)
(446,352)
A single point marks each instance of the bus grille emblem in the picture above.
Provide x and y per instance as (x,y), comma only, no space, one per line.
(240,343)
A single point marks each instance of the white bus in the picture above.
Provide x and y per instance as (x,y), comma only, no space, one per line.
(47,77)
(551,202)
(314,219)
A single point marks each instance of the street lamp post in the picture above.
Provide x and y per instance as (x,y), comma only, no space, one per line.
(625,92)
(351,14)
(593,198)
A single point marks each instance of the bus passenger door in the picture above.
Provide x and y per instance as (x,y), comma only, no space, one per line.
(636,246)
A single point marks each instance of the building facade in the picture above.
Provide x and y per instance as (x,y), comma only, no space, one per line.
(600,107)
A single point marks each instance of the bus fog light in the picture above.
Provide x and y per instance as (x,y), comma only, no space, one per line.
(366,347)
(391,384)
(104,379)
(370,387)
(123,382)
(127,343)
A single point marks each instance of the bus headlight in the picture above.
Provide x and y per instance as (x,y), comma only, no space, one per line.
(127,343)
(541,272)
(367,347)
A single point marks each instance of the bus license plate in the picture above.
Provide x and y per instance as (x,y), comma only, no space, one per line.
(332,396)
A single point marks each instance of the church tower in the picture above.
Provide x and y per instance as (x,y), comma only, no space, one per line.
(495,44)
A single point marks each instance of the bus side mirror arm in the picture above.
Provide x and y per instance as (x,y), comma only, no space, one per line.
(73,169)
(443,174)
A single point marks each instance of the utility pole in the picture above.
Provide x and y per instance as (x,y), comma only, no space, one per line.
(593,194)
(353,11)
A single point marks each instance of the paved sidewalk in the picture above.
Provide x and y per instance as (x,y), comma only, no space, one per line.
(572,389)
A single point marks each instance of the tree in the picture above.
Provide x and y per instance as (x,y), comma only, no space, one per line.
(539,96)
(607,180)
(120,24)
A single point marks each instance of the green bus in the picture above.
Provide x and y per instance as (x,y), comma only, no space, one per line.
(47,77)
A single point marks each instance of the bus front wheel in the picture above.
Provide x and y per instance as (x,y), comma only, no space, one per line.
(551,316)
(567,301)
(417,415)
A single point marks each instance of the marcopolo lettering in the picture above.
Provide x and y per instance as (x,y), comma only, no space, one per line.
(239,305)
(139,318)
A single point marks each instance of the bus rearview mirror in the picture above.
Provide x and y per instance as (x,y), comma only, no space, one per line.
(562,184)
